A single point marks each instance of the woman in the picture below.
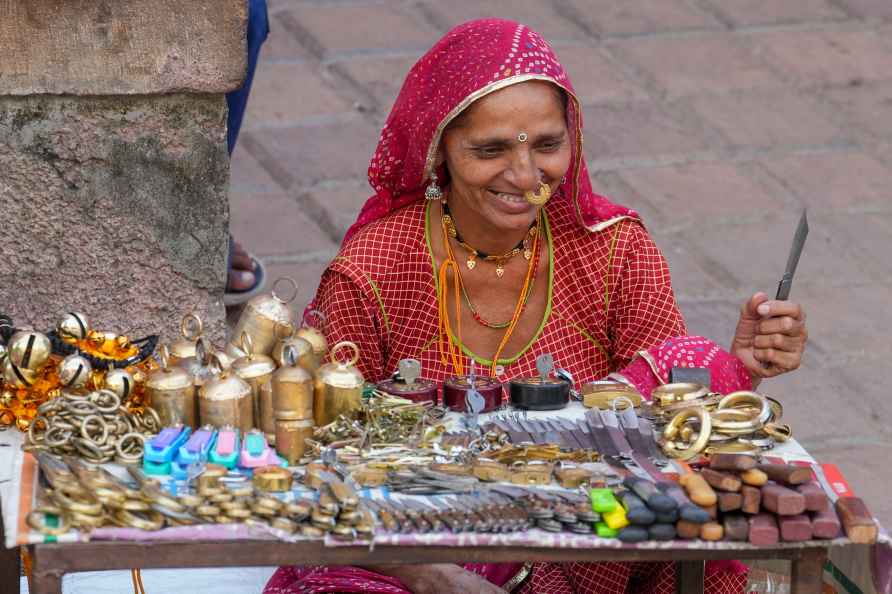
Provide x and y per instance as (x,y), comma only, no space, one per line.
(484,242)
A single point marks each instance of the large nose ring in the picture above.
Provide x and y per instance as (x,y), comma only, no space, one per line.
(540,196)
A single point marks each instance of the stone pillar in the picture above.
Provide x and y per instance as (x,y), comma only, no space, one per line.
(113,161)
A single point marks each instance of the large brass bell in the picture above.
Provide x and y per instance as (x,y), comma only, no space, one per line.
(292,389)
(306,357)
(17,377)
(74,326)
(256,370)
(338,387)
(74,372)
(259,320)
(171,392)
(120,382)
(191,328)
(29,350)
(225,400)
(313,335)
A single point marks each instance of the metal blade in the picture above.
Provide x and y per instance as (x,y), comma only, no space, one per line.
(786,283)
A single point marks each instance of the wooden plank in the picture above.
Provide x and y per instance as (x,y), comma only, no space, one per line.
(808,572)
(689,576)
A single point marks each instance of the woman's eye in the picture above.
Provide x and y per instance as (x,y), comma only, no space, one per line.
(489,152)
(550,147)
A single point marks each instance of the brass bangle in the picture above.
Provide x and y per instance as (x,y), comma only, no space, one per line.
(735,399)
(207,510)
(734,447)
(36,519)
(272,478)
(269,501)
(82,502)
(284,524)
(239,514)
(674,427)
(80,520)
(779,431)
(678,392)
(733,426)
(149,521)
(190,500)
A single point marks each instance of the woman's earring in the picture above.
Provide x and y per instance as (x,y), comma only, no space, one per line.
(433,191)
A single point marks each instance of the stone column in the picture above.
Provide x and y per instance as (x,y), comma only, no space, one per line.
(113,161)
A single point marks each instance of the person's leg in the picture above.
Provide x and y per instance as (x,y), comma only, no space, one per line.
(242,268)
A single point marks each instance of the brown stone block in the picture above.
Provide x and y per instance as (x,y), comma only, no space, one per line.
(536,14)
(279,96)
(332,28)
(834,180)
(122,48)
(819,58)
(610,18)
(708,63)
(637,129)
(596,78)
(769,118)
(741,13)
(301,156)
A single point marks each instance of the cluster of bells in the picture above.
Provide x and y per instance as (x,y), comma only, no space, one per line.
(31,374)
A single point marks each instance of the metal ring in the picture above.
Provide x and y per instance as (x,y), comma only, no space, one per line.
(293,284)
(42,526)
(119,446)
(85,431)
(103,395)
(82,408)
(195,323)
(51,440)
(345,344)
(674,426)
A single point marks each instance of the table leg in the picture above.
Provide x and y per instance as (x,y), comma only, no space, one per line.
(808,572)
(9,564)
(689,577)
(46,583)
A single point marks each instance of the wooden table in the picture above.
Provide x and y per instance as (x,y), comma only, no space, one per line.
(52,561)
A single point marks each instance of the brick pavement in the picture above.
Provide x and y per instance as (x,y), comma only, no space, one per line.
(718,119)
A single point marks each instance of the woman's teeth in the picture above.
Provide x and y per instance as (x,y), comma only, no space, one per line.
(514,198)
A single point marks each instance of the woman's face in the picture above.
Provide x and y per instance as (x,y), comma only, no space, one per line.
(489,166)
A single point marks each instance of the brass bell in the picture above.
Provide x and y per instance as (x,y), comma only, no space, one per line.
(120,382)
(313,335)
(191,328)
(259,319)
(29,350)
(199,366)
(74,326)
(171,392)
(292,389)
(256,370)
(291,436)
(17,377)
(338,387)
(74,371)
(306,356)
(225,400)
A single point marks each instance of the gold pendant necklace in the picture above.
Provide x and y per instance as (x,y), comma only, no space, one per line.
(523,247)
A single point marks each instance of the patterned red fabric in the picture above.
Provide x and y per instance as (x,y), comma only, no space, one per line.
(380,293)
(471,58)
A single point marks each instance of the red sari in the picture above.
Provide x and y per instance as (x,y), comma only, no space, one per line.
(610,307)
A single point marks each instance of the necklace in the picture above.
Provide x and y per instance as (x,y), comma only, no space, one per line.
(498,325)
(523,246)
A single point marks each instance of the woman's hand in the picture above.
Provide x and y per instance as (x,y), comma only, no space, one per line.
(770,337)
(440,578)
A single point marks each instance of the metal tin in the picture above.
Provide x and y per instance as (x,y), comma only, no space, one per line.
(291,438)
(256,370)
(306,357)
(538,393)
(171,392)
(291,389)
(420,390)
(226,400)
(455,388)
(259,320)
(338,387)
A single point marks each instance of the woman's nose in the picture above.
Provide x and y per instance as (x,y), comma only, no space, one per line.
(523,172)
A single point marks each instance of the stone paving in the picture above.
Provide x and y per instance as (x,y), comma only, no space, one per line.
(719,120)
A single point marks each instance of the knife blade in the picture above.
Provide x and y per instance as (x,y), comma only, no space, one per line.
(786,282)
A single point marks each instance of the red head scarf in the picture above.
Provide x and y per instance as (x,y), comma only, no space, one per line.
(471,61)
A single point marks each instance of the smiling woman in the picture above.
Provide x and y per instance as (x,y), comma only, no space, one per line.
(512,255)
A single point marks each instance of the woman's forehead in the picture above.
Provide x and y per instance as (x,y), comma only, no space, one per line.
(529,102)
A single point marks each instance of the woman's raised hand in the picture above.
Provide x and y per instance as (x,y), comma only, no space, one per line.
(770,336)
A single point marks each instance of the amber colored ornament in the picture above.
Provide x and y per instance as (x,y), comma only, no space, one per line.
(107,345)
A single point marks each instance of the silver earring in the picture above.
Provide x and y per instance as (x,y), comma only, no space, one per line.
(433,191)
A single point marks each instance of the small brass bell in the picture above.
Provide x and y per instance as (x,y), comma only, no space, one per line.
(306,357)
(225,400)
(338,387)
(74,371)
(256,369)
(29,350)
(259,319)
(120,382)
(191,328)
(292,389)
(171,392)
(313,335)
(74,326)
(17,377)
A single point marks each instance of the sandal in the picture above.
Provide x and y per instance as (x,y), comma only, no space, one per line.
(233,297)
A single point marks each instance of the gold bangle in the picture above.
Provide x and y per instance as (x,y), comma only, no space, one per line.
(79,520)
(272,478)
(284,524)
(153,521)
(83,503)
(190,500)
(678,392)
(740,422)
(674,427)
(735,399)
(207,510)
(269,501)
(36,519)
(239,514)
(779,431)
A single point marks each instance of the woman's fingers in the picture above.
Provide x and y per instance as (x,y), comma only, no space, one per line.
(781,325)
(780,342)
(776,361)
